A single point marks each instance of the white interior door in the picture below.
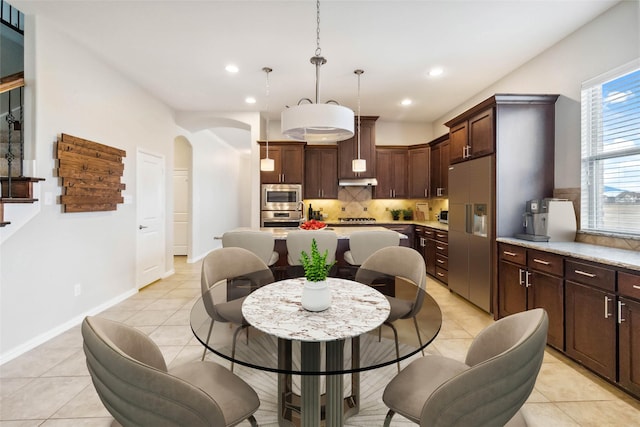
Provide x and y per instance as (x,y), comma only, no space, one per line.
(151,217)
(180,211)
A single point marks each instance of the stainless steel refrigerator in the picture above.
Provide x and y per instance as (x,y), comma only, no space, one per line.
(470,222)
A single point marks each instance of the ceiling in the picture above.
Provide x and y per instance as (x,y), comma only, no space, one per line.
(178,50)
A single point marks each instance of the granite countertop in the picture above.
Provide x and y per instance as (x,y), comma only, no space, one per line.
(343,232)
(431,224)
(617,257)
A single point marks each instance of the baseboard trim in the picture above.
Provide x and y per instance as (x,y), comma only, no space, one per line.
(52,333)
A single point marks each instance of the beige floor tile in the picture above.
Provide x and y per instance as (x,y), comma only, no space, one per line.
(73,366)
(85,404)
(150,317)
(546,415)
(10,385)
(171,335)
(35,362)
(79,422)
(601,413)
(180,317)
(561,383)
(168,304)
(42,397)
(22,423)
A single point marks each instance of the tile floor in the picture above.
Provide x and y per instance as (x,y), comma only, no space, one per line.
(50,386)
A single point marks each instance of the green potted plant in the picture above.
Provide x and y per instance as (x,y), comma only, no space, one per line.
(395,214)
(407,214)
(316,295)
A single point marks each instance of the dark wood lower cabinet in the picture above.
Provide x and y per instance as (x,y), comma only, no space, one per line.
(513,296)
(546,291)
(629,347)
(591,328)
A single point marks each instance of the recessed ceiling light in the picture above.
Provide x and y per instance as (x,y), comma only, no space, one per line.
(250,100)
(436,71)
(231,68)
(406,101)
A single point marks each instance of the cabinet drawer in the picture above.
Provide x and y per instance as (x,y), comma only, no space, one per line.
(442,275)
(442,236)
(429,233)
(592,275)
(629,285)
(442,248)
(515,254)
(442,261)
(545,262)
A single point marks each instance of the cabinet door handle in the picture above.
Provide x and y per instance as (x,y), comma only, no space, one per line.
(584,273)
(440,274)
(541,261)
(520,280)
(509,253)
(526,279)
(440,261)
(606,307)
(439,248)
(620,319)
(636,286)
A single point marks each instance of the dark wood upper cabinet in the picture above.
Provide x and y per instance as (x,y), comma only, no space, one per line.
(288,158)
(391,164)
(419,167)
(439,171)
(321,172)
(348,150)
(472,137)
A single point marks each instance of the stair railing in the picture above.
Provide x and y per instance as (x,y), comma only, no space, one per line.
(12,91)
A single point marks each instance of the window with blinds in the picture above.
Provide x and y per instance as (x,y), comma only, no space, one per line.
(610,190)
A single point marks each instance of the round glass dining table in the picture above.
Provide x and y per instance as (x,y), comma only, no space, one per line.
(347,338)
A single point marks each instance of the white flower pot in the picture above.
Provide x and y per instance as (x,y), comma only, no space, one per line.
(316,296)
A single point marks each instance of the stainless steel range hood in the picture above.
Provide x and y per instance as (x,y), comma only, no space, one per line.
(358,182)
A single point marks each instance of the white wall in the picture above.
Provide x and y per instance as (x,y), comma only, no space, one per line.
(218,192)
(607,42)
(40,263)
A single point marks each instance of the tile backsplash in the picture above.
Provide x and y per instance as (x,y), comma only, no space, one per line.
(358,202)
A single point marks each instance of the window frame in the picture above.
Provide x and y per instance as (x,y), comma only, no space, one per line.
(594,157)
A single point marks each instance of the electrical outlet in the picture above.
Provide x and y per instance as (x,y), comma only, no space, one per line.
(365,209)
(77,289)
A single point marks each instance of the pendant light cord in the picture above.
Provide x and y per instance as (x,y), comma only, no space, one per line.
(359,72)
(267,70)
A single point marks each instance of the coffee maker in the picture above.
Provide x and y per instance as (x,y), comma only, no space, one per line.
(548,220)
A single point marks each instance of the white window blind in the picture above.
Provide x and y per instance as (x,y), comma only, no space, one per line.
(610,199)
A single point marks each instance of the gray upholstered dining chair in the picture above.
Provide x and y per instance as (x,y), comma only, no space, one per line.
(399,261)
(260,243)
(487,389)
(134,384)
(300,240)
(362,244)
(226,264)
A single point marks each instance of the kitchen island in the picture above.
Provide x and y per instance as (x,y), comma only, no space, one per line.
(343,233)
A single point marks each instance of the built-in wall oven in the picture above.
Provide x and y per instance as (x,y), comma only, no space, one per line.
(281,205)
(280,218)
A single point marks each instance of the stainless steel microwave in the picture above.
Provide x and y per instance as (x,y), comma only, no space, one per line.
(281,197)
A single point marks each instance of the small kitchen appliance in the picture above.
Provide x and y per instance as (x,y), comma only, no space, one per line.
(443,217)
(548,220)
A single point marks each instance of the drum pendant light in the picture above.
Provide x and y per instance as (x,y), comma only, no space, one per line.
(358,165)
(315,122)
(267,164)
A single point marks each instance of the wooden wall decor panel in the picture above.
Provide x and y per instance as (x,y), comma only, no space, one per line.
(90,173)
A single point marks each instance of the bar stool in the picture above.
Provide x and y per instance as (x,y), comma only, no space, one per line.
(260,243)
(300,240)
